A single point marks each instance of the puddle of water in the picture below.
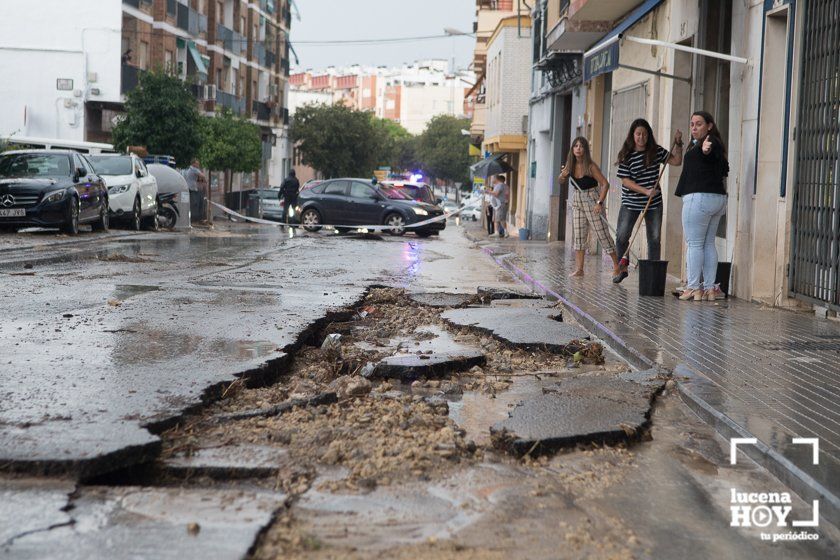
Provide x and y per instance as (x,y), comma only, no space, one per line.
(124,291)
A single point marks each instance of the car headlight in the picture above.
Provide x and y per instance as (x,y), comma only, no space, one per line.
(55,196)
(420,212)
(119,189)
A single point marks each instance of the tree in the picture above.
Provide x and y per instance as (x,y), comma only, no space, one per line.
(230,143)
(338,141)
(444,151)
(161,114)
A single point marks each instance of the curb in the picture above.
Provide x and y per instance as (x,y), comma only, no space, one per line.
(805,485)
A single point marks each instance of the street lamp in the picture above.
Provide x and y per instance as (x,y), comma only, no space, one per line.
(452,32)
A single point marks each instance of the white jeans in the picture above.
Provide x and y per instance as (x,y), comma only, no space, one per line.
(701,214)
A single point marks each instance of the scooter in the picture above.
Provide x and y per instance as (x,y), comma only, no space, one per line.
(167,210)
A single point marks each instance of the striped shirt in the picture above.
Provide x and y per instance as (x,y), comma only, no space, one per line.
(633,168)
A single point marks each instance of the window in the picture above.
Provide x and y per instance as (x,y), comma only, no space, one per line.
(143,55)
(219,78)
(77,161)
(336,187)
(360,190)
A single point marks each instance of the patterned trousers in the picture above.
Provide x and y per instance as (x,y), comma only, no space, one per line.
(584,216)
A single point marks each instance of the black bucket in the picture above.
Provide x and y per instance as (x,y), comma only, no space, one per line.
(724,272)
(652,277)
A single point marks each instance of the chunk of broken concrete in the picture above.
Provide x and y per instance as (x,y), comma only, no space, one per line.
(486,294)
(432,299)
(350,386)
(408,367)
(521,327)
(579,410)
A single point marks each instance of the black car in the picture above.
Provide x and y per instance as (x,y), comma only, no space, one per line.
(358,202)
(51,188)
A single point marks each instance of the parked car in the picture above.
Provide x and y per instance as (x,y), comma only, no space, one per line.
(270,205)
(471,210)
(309,184)
(132,190)
(51,188)
(358,202)
(421,192)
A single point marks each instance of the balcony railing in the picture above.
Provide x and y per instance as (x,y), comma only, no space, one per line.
(261,111)
(230,101)
(187,19)
(270,59)
(233,41)
(129,78)
(259,54)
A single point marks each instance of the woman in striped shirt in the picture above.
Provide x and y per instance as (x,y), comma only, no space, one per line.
(638,169)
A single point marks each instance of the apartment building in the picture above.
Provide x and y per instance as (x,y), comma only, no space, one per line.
(410,95)
(74,72)
(766,70)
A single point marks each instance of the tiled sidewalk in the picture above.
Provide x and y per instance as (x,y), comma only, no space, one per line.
(763,372)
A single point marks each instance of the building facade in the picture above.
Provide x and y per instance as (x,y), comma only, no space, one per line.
(765,69)
(410,95)
(72,76)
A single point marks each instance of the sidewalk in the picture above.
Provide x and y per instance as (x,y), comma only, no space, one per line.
(749,370)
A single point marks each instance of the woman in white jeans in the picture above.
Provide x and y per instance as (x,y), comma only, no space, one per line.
(703,190)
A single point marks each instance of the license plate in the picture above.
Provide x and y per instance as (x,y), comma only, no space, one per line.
(12,212)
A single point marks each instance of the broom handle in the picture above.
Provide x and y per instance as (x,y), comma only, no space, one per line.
(647,205)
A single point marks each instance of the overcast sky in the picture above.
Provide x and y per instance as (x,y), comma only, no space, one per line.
(335,20)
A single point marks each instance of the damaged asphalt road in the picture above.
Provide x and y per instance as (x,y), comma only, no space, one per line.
(182,386)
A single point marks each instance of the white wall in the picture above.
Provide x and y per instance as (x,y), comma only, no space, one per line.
(298,98)
(508,82)
(420,104)
(59,39)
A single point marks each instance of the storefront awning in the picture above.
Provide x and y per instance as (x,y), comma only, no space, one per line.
(603,57)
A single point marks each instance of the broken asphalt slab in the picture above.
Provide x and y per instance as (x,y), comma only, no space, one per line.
(136,522)
(409,367)
(520,326)
(227,462)
(488,294)
(442,299)
(587,409)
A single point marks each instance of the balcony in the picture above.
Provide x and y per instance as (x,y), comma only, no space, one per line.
(129,78)
(270,59)
(261,111)
(259,54)
(583,22)
(187,19)
(230,101)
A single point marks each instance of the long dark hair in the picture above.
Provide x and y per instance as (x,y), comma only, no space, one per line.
(630,143)
(714,133)
(586,160)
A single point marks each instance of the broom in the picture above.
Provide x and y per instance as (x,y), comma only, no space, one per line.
(625,259)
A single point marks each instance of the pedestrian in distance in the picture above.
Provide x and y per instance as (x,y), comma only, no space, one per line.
(488,212)
(194,176)
(289,190)
(638,168)
(501,196)
(590,191)
(703,190)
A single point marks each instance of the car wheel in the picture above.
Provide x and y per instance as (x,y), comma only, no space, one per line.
(102,223)
(310,219)
(151,222)
(136,218)
(396,223)
(71,217)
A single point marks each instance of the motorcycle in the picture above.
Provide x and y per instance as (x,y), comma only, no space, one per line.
(167,210)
